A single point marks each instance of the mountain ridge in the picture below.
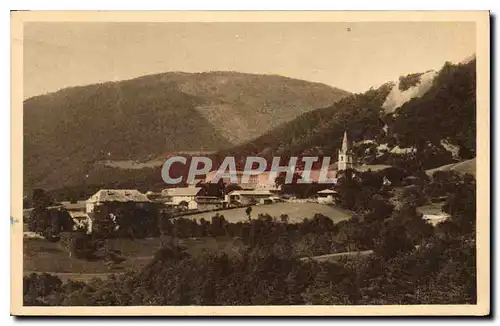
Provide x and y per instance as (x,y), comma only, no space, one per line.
(437,118)
(151,116)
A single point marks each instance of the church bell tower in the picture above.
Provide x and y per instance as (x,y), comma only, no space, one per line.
(345,155)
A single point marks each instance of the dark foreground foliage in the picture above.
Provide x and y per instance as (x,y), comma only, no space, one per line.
(442,271)
(411,262)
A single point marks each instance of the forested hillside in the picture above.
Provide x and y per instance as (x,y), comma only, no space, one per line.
(434,127)
(68,132)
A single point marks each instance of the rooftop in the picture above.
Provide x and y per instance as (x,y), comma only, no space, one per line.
(184,191)
(119,195)
(250,192)
(79,205)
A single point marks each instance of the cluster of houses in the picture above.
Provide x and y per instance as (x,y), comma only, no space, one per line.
(189,198)
(260,189)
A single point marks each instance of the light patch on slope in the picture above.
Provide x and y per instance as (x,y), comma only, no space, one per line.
(133,165)
(450,148)
(366,141)
(382,149)
(228,122)
(468,166)
(397,98)
(402,150)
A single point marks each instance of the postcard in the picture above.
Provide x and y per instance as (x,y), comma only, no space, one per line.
(250,163)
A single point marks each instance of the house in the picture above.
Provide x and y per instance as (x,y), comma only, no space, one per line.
(74,206)
(81,221)
(117,198)
(326,196)
(183,197)
(249,197)
(77,212)
(210,202)
(262,181)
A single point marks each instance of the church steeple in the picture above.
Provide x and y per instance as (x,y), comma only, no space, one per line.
(345,143)
(345,154)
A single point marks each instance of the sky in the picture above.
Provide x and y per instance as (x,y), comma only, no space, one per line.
(350,56)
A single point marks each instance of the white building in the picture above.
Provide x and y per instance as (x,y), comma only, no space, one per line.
(184,197)
(262,181)
(81,221)
(115,198)
(248,197)
(326,196)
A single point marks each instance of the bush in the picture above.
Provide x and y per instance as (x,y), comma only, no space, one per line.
(84,246)
(40,285)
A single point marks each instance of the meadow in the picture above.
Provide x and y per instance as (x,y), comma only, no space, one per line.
(296,212)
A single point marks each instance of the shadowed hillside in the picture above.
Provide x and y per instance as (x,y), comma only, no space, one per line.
(427,118)
(67,132)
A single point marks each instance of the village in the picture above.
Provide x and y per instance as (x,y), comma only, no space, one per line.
(191,200)
(194,201)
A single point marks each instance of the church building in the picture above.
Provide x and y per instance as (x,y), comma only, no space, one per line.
(346,160)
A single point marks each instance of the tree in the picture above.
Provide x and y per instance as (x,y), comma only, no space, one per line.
(83,246)
(348,188)
(413,196)
(461,204)
(40,219)
(41,198)
(443,183)
(104,222)
(221,188)
(379,208)
(394,239)
(40,285)
(395,175)
(248,211)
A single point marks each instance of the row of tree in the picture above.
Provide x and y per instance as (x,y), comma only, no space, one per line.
(412,263)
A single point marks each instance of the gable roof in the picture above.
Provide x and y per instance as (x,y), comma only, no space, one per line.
(79,205)
(251,192)
(183,191)
(119,195)
(78,215)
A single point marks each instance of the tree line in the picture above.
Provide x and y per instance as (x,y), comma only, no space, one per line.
(412,262)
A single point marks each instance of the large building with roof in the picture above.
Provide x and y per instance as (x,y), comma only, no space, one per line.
(115,198)
(248,197)
(184,197)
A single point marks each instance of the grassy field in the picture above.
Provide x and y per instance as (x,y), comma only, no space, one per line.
(296,212)
(434,209)
(468,166)
(41,255)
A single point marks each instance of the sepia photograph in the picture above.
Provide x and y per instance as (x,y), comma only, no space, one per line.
(258,163)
